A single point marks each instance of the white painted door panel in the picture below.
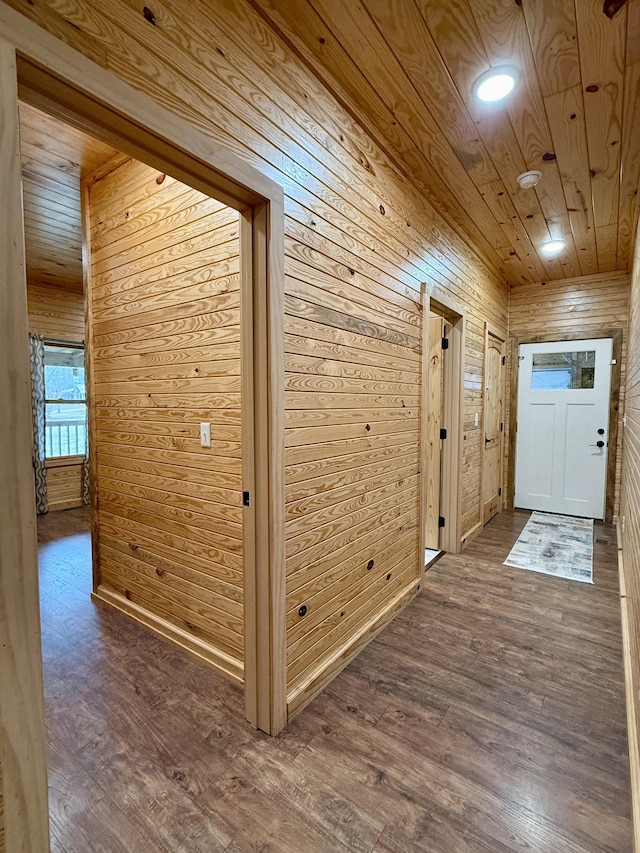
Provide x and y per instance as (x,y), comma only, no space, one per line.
(563,403)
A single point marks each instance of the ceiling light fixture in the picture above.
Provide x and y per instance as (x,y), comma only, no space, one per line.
(496,83)
(529,180)
(553,247)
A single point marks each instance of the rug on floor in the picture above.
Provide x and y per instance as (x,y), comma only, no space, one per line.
(558,545)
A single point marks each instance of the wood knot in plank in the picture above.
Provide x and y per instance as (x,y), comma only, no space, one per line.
(612,7)
(149,15)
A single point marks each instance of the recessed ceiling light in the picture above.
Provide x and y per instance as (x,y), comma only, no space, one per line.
(552,247)
(528,180)
(496,83)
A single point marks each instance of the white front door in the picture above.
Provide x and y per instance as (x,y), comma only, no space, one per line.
(563,426)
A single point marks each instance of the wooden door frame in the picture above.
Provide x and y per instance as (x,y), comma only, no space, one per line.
(453,412)
(40,69)
(586,334)
(499,335)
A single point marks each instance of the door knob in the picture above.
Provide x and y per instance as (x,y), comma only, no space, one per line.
(597,444)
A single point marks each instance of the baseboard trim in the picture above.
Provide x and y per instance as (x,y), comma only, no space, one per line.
(227,666)
(630,696)
(471,535)
(331,666)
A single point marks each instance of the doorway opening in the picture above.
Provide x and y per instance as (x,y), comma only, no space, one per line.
(164,342)
(88,99)
(443,371)
(612,418)
(564,396)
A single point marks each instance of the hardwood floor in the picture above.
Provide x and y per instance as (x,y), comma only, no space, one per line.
(489,716)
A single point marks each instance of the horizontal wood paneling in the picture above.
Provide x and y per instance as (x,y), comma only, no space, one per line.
(630,532)
(55,312)
(65,484)
(1,811)
(165,259)
(360,238)
(585,306)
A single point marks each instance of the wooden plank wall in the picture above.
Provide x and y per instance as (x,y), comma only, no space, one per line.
(1,810)
(360,240)
(165,332)
(353,362)
(584,305)
(65,483)
(629,532)
(55,311)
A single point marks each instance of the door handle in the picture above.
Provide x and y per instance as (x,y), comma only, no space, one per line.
(597,444)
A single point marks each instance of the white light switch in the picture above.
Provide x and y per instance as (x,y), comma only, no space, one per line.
(205,435)
(475,419)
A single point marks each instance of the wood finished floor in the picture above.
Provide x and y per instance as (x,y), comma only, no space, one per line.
(488,717)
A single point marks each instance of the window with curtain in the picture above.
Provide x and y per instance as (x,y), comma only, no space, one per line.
(65,400)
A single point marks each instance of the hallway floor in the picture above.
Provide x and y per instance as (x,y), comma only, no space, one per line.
(489,716)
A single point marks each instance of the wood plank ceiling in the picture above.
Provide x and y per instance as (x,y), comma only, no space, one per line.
(405,69)
(54,158)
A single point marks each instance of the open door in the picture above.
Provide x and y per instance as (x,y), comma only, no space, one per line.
(493,420)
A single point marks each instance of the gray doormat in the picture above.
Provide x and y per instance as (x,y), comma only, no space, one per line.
(558,545)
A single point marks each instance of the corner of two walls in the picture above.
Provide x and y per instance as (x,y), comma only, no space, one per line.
(360,239)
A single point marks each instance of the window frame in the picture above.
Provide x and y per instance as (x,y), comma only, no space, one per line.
(73,458)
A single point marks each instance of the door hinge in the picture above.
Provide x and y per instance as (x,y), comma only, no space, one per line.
(445,343)
(501,427)
(441,521)
(500,492)
(246,499)
(443,433)
(504,360)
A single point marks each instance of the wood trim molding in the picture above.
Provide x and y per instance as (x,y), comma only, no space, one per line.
(452,455)
(22,737)
(90,381)
(424,421)
(614,402)
(262,258)
(496,332)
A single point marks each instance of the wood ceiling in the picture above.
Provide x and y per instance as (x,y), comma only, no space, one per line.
(405,70)
(55,156)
